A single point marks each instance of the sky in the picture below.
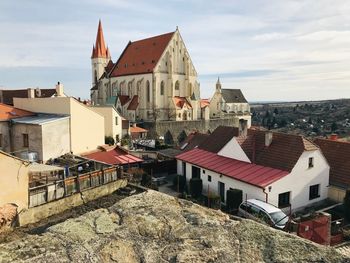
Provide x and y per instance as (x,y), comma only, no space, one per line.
(271,49)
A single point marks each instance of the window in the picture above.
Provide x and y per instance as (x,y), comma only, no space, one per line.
(204,171)
(314,191)
(162,88)
(284,199)
(25,140)
(196,172)
(177,85)
(0,140)
(209,178)
(148,95)
(311,162)
(116,120)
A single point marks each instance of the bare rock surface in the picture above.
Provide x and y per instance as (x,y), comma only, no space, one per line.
(153,227)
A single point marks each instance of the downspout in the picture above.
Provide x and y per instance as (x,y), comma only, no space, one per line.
(266,195)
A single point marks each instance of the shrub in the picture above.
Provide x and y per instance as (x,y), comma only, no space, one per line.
(234,198)
(179,181)
(109,140)
(196,186)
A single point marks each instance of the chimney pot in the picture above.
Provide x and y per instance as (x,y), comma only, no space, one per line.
(31,93)
(59,90)
(333,137)
(268,138)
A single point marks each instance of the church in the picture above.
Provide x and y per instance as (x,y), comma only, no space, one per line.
(154,79)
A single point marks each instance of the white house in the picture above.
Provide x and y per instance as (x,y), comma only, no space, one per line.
(281,169)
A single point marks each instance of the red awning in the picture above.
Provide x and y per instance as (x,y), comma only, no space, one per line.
(115,156)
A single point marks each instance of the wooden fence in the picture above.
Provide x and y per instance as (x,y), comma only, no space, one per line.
(51,191)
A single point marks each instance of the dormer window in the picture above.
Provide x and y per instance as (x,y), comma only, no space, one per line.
(311,162)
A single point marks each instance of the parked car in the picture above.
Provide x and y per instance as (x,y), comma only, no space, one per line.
(262,211)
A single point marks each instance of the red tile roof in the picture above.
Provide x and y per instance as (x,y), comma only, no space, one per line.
(204,103)
(246,172)
(109,66)
(137,129)
(219,138)
(181,102)
(193,140)
(141,56)
(123,99)
(337,154)
(283,153)
(134,103)
(9,112)
(99,50)
(116,156)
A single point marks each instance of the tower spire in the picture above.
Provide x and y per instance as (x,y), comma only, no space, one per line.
(100,50)
(218,85)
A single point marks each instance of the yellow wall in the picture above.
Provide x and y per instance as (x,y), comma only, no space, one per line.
(336,194)
(13,181)
(110,113)
(86,126)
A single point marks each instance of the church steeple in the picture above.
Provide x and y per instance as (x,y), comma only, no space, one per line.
(99,50)
(218,85)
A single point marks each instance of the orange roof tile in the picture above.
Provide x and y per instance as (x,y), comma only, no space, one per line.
(141,56)
(181,102)
(9,112)
(99,50)
(204,103)
(137,129)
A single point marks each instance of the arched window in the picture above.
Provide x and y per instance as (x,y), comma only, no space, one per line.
(148,92)
(177,85)
(129,88)
(162,88)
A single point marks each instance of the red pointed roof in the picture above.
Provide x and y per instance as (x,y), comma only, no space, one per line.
(99,50)
(134,103)
(141,56)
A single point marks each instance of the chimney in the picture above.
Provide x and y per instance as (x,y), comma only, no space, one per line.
(333,137)
(134,125)
(37,92)
(268,138)
(59,90)
(31,93)
(243,128)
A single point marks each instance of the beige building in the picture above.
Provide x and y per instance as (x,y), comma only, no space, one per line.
(13,181)
(153,79)
(229,102)
(112,120)
(86,126)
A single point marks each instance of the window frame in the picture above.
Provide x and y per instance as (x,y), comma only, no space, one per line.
(162,88)
(116,120)
(284,204)
(312,193)
(311,162)
(209,178)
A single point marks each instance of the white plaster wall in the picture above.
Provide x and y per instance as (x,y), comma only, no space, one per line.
(86,126)
(249,191)
(233,150)
(55,139)
(300,179)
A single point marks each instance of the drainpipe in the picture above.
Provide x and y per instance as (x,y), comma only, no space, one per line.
(266,195)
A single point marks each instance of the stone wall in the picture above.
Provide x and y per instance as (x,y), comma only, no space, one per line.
(176,127)
(35,214)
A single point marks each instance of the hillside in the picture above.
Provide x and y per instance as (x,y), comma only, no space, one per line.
(153,227)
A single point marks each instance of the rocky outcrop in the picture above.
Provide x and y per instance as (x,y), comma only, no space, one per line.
(153,227)
(8,213)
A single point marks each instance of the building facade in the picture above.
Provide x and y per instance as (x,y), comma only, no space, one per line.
(153,79)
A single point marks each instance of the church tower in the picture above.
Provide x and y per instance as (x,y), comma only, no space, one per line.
(100,56)
(218,86)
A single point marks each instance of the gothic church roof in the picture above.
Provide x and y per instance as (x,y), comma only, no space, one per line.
(140,57)
(233,96)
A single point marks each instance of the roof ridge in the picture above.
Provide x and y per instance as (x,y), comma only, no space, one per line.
(148,38)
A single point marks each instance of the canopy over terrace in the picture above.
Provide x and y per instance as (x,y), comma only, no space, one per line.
(113,156)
